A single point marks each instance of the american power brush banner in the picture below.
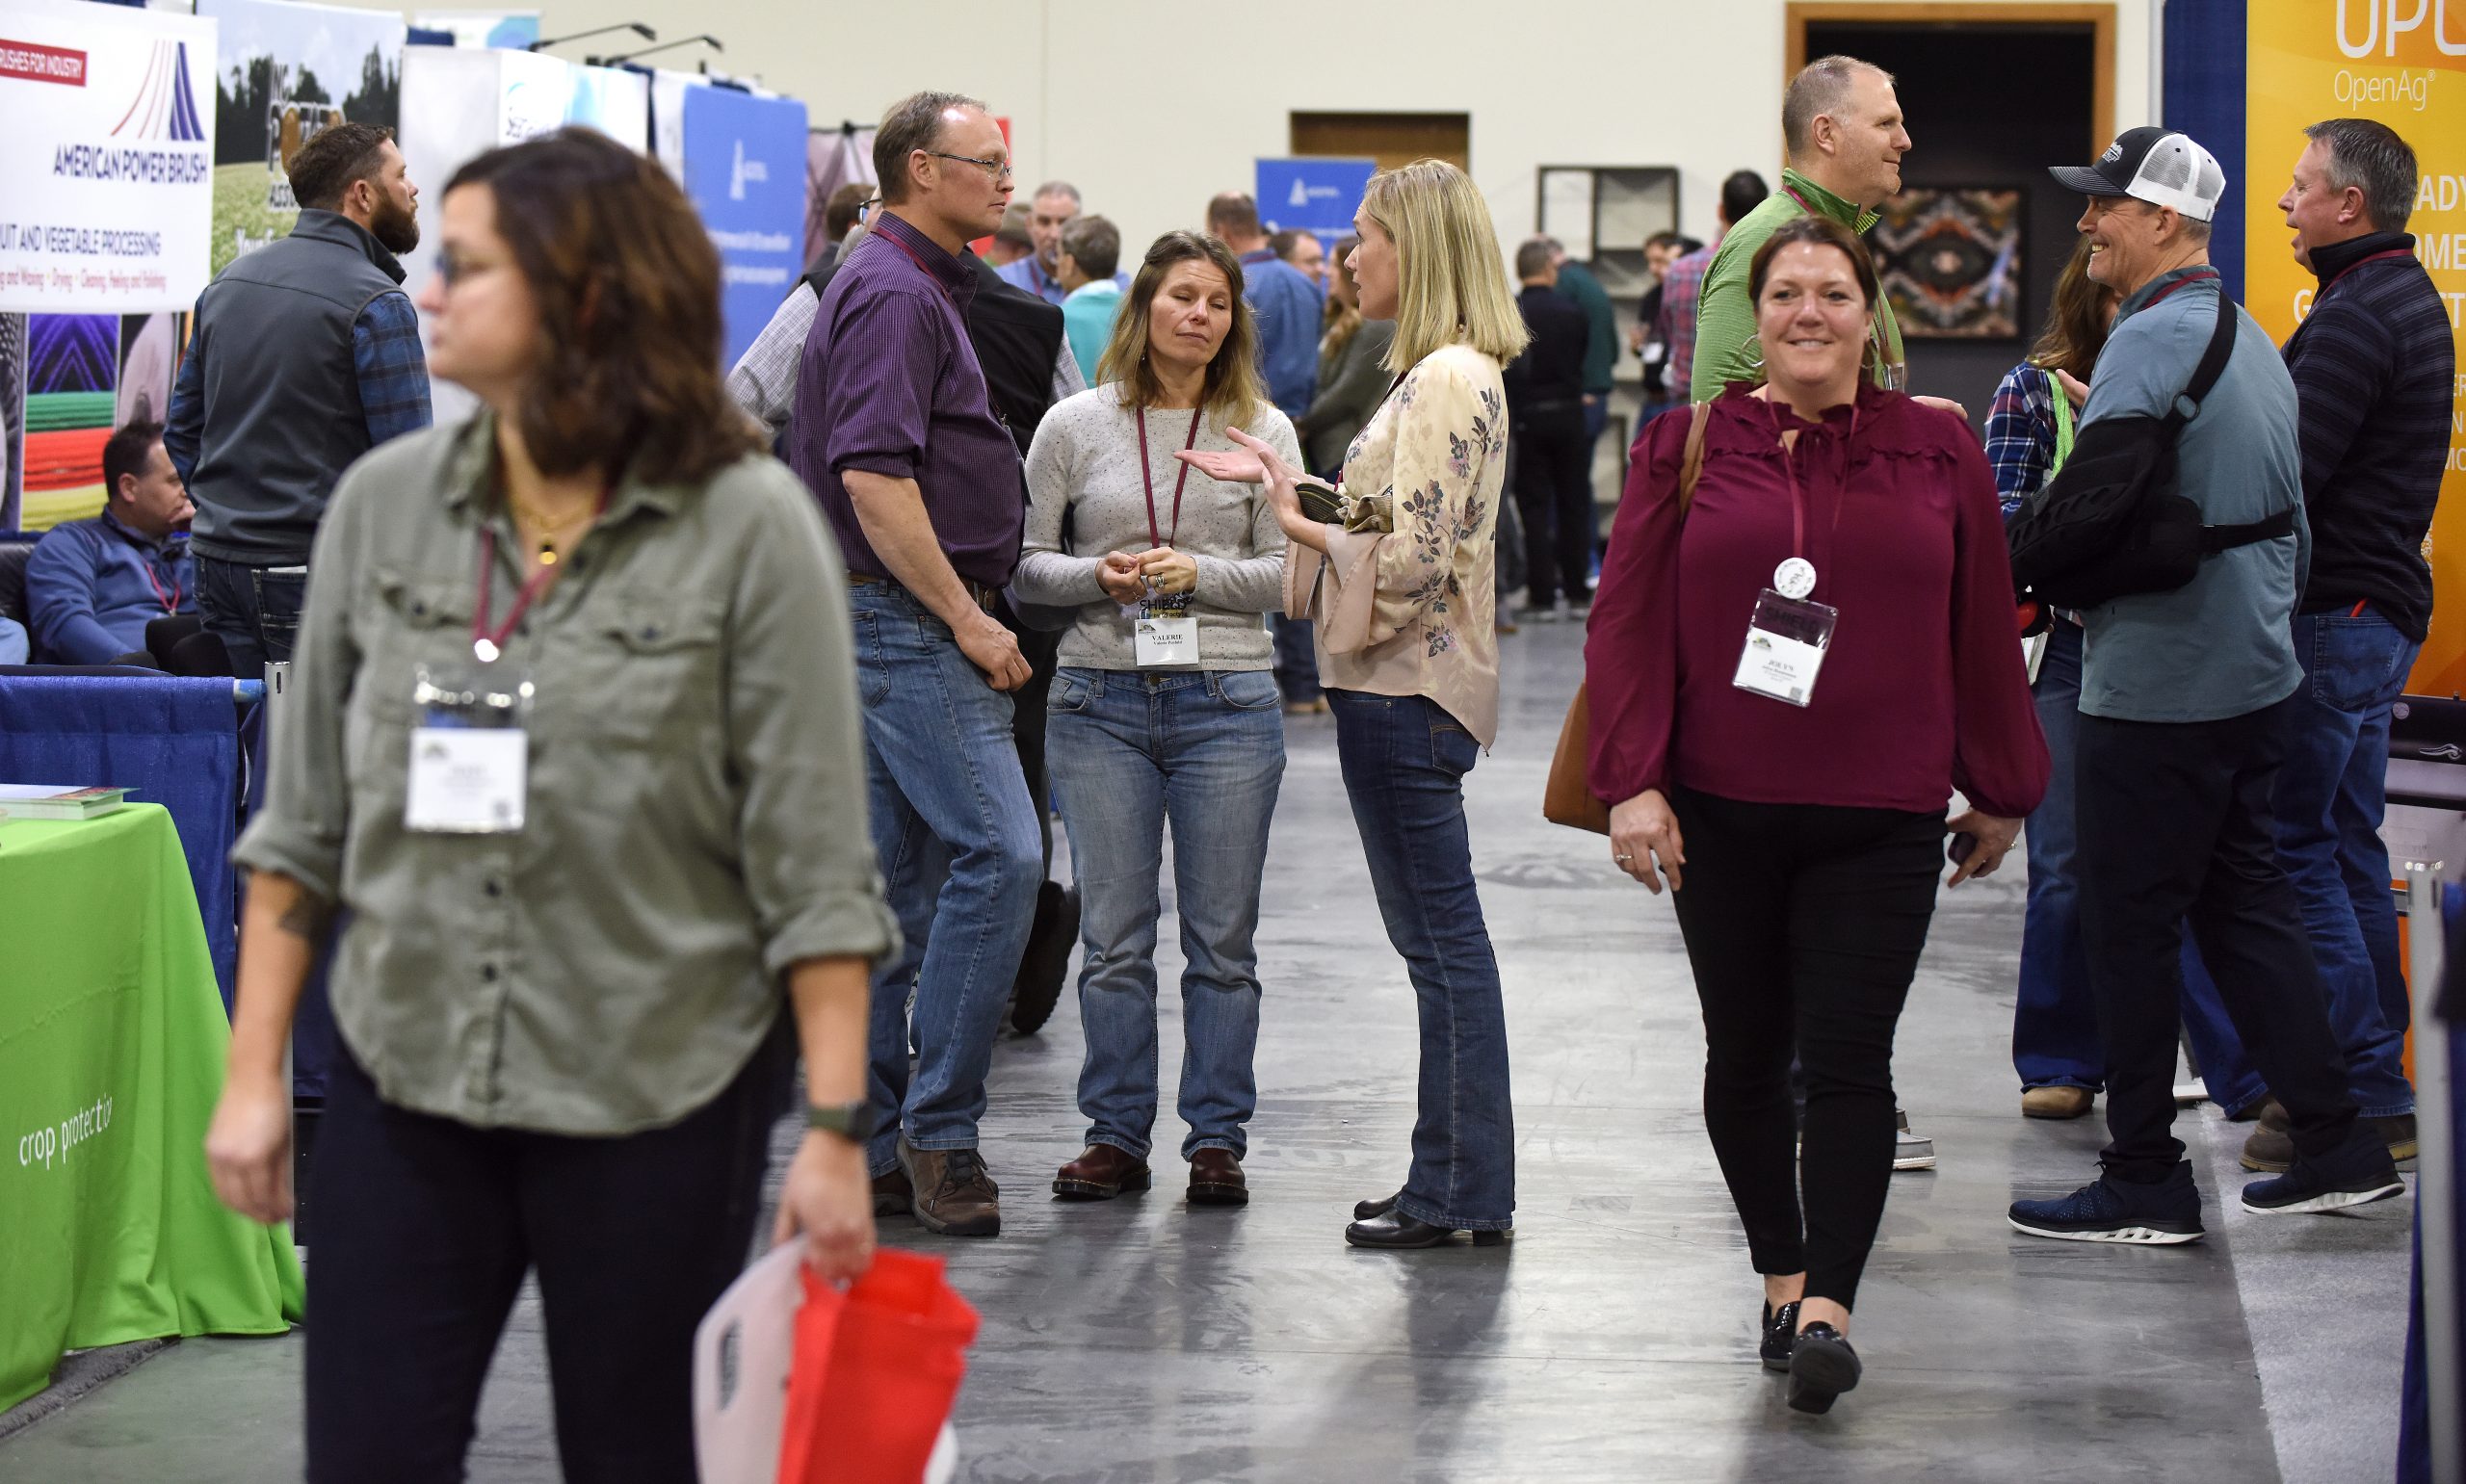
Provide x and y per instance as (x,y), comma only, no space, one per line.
(2404,64)
(106,172)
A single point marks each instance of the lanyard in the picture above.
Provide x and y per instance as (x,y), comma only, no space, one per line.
(2196,276)
(486,642)
(1148,479)
(1798,496)
(2390,252)
(892,237)
(171,601)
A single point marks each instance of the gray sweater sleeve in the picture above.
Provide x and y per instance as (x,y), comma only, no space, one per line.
(1046,573)
(1254,584)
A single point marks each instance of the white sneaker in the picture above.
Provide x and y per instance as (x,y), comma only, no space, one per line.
(2190,1093)
(1910,1151)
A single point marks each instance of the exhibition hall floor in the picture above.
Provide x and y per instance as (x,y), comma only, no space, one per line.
(1612,1338)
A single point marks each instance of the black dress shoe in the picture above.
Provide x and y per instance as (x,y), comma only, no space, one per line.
(1396,1231)
(1780,1332)
(1372,1211)
(1821,1366)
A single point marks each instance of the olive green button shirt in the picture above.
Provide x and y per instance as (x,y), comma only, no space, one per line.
(1726,349)
(695,804)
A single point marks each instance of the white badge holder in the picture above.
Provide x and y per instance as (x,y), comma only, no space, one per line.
(1165,638)
(1786,642)
(471,753)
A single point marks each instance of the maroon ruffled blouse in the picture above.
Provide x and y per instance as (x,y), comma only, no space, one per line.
(1922,690)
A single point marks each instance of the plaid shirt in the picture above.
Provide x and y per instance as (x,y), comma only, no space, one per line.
(1681,286)
(2020,434)
(392,369)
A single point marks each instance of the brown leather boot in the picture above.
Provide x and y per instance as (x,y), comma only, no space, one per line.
(1100,1172)
(954,1197)
(893,1195)
(1216,1179)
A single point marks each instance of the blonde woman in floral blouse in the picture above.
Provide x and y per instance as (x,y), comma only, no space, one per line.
(1402,591)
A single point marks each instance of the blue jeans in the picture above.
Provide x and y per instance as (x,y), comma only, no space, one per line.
(1404,760)
(1297,657)
(2055,1022)
(1130,751)
(2330,798)
(960,859)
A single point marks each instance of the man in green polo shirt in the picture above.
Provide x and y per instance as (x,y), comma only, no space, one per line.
(1842,126)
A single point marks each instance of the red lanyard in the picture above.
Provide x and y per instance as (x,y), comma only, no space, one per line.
(171,601)
(1798,496)
(2196,276)
(2390,252)
(892,237)
(1150,479)
(486,642)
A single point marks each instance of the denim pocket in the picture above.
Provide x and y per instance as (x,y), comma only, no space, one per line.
(1248,690)
(1074,690)
(873,670)
(1451,749)
(2357,664)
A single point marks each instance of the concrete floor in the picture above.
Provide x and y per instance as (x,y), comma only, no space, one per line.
(1144,1339)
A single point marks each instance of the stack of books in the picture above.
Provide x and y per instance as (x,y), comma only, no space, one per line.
(57,801)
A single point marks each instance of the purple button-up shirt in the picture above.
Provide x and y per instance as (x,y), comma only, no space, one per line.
(890,385)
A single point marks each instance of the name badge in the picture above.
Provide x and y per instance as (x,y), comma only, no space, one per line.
(1165,641)
(469,771)
(1786,642)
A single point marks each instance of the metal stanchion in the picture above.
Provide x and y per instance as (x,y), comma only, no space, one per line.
(278,678)
(2436,1171)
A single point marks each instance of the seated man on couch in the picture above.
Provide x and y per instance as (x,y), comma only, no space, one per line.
(92,585)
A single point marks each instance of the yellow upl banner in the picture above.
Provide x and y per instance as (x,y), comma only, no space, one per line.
(2402,63)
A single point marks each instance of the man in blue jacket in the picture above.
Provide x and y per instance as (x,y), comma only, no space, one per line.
(1289,308)
(92,585)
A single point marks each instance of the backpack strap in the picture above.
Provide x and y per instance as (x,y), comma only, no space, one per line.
(2213,363)
(1691,465)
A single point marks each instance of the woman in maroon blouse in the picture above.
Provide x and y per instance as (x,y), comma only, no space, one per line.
(1788,679)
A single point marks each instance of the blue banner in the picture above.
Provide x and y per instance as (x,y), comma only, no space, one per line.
(744,168)
(1315,196)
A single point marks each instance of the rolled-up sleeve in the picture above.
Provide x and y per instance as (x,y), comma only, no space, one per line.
(300,832)
(796,743)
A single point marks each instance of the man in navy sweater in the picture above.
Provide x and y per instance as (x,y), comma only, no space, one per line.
(2373,368)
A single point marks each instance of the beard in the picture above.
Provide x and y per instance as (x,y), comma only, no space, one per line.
(396,229)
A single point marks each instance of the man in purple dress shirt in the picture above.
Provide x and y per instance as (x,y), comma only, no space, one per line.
(894,432)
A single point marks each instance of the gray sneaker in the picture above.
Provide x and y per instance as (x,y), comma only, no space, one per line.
(954,1197)
(1910,1151)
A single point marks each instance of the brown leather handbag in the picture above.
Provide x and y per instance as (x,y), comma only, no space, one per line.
(1567,798)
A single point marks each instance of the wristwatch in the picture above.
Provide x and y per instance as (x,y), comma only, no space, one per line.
(851,1121)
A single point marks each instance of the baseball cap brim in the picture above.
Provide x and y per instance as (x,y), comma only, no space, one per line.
(2087,180)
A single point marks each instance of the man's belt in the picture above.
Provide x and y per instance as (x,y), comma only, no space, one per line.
(978,593)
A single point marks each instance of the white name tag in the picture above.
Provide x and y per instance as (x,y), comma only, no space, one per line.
(1786,642)
(1164,644)
(467,780)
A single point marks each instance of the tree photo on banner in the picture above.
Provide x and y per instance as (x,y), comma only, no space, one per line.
(284,71)
(2384,60)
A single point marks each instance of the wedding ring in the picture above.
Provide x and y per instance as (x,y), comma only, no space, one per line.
(1623,859)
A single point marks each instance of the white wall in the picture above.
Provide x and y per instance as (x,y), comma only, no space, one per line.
(1152,106)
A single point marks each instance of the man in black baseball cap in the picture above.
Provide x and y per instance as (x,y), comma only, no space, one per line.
(2184,700)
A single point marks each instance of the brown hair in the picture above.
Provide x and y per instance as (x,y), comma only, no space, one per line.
(628,288)
(337,157)
(1813,231)
(2076,322)
(912,123)
(1232,389)
(1344,320)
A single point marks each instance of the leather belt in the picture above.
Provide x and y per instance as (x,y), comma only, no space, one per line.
(979,593)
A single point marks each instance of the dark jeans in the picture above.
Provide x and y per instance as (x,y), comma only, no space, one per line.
(2174,822)
(425,1228)
(1554,494)
(1297,657)
(253,610)
(1403,759)
(1803,924)
(1042,650)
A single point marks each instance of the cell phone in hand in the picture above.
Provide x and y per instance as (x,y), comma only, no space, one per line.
(1960,847)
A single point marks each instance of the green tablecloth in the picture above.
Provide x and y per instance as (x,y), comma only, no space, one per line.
(112,1042)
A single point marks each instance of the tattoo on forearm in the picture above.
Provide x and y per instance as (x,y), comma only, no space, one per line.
(306,917)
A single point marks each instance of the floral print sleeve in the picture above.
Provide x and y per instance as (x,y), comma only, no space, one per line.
(1432,578)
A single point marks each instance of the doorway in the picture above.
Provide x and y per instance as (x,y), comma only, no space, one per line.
(2041,79)
(1391,138)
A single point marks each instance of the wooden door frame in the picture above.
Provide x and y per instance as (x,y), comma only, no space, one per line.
(2100,19)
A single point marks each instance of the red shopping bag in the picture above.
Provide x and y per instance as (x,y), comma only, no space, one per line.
(875,1371)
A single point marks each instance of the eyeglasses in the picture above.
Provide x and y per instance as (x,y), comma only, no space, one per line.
(865,208)
(999,170)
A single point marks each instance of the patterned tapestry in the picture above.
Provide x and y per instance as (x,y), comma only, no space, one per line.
(1951,262)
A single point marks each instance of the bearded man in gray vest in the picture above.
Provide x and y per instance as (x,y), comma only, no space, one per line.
(305,355)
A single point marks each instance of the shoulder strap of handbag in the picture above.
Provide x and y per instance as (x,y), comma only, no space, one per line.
(1690,466)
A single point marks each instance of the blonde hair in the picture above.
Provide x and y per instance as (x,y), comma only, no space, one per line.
(1232,390)
(1450,284)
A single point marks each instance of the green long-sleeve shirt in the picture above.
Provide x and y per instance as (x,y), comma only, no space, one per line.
(1726,350)
(1600,324)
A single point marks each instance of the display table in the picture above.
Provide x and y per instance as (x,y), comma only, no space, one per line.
(112,1043)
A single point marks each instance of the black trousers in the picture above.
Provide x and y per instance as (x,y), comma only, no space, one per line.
(1803,923)
(425,1228)
(2174,826)
(1042,650)
(1554,496)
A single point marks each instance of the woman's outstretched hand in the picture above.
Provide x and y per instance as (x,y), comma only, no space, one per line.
(1258,464)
